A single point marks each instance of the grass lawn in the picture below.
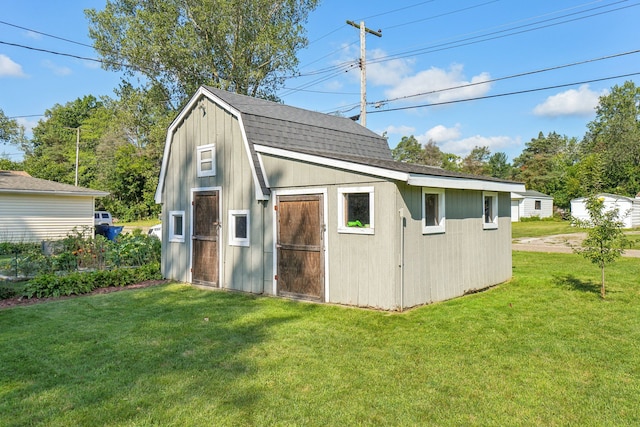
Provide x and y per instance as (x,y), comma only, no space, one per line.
(541,228)
(543,349)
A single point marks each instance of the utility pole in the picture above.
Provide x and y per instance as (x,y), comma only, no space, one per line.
(77,149)
(363,68)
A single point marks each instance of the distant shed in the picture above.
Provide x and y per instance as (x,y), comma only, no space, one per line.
(33,209)
(628,208)
(529,204)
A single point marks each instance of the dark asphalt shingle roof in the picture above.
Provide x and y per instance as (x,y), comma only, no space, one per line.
(282,126)
(21,182)
(533,193)
(295,129)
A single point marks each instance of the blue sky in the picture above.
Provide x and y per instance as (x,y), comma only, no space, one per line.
(426,46)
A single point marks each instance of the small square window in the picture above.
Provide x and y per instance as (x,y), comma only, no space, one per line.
(490,210)
(206,160)
(538,205)
(176,226)
(355,210)
(433,211)
(239,227)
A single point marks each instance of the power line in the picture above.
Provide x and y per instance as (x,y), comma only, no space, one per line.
(499,34)
(526,73)
(441,15)
(45,34)
(506,93)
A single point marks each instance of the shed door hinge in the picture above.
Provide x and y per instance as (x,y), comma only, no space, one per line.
(275,277)
(275,208)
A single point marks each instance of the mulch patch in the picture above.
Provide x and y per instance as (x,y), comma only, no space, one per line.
(19,301)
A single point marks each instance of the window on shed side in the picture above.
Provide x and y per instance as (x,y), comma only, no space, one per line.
(538,205)
(206,160)
(355,210)
(239,227)
(433,210)
(176,226)
(490,210)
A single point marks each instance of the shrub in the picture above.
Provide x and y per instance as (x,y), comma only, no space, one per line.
(51,285)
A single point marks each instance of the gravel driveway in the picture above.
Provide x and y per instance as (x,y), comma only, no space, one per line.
(560,243)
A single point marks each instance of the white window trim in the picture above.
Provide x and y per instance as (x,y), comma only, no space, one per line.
(233,240)
(173,237)
(494,209)
(433,229)
(201,149)
(342,227)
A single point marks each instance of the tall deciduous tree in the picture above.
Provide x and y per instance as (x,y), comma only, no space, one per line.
(11,131)
(245,46)
(545,165)
(605,240)
(615,134)
(477,161)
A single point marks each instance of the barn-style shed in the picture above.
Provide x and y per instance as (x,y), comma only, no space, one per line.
(270,199)
(33,209)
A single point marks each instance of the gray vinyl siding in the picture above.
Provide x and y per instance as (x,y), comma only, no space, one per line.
(241,267)
(33,218)
(464,258)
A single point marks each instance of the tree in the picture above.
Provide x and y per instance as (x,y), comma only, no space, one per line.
(11,131)
(245,46)
(605,240)
(476,162)
(545,165)
(408,150)
(615,134)
(499,167)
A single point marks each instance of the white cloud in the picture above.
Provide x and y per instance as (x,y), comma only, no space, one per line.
(462,147)
(10,68)
(435,79)
(449,141)
(387,73)
(33,35)
(440,134)
(28,124)
(57,70)
(581,102)
(399,130)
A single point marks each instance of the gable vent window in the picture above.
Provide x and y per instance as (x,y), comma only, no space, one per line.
(206,160)
(355,210)
(433,211)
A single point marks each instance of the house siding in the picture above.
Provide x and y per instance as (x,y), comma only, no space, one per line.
(32,218)
(528,206)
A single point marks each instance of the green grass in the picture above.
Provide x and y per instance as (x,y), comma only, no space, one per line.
(541,228)
(139,223)
(543,349)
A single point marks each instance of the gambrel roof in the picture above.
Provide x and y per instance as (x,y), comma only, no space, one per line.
(277,129)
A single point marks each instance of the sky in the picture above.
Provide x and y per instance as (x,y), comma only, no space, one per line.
(461,73)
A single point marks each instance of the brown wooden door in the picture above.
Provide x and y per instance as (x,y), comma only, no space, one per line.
(300,248)
(206,228)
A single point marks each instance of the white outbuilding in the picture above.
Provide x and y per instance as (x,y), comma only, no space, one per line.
(529,204)
(628,208)
(33,209)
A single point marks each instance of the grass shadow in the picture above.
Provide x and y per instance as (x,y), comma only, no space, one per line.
(570,281)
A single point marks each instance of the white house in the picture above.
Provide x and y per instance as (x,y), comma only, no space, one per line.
(530,203)
(33,209)
(628,208)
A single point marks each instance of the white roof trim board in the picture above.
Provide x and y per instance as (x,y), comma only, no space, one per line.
(418,180)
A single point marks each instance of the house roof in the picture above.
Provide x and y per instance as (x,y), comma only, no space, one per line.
(22,182)
(324,139)
(530,193)
(606,195)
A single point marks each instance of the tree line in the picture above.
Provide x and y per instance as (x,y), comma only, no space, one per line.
(166,49)
(606,159)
